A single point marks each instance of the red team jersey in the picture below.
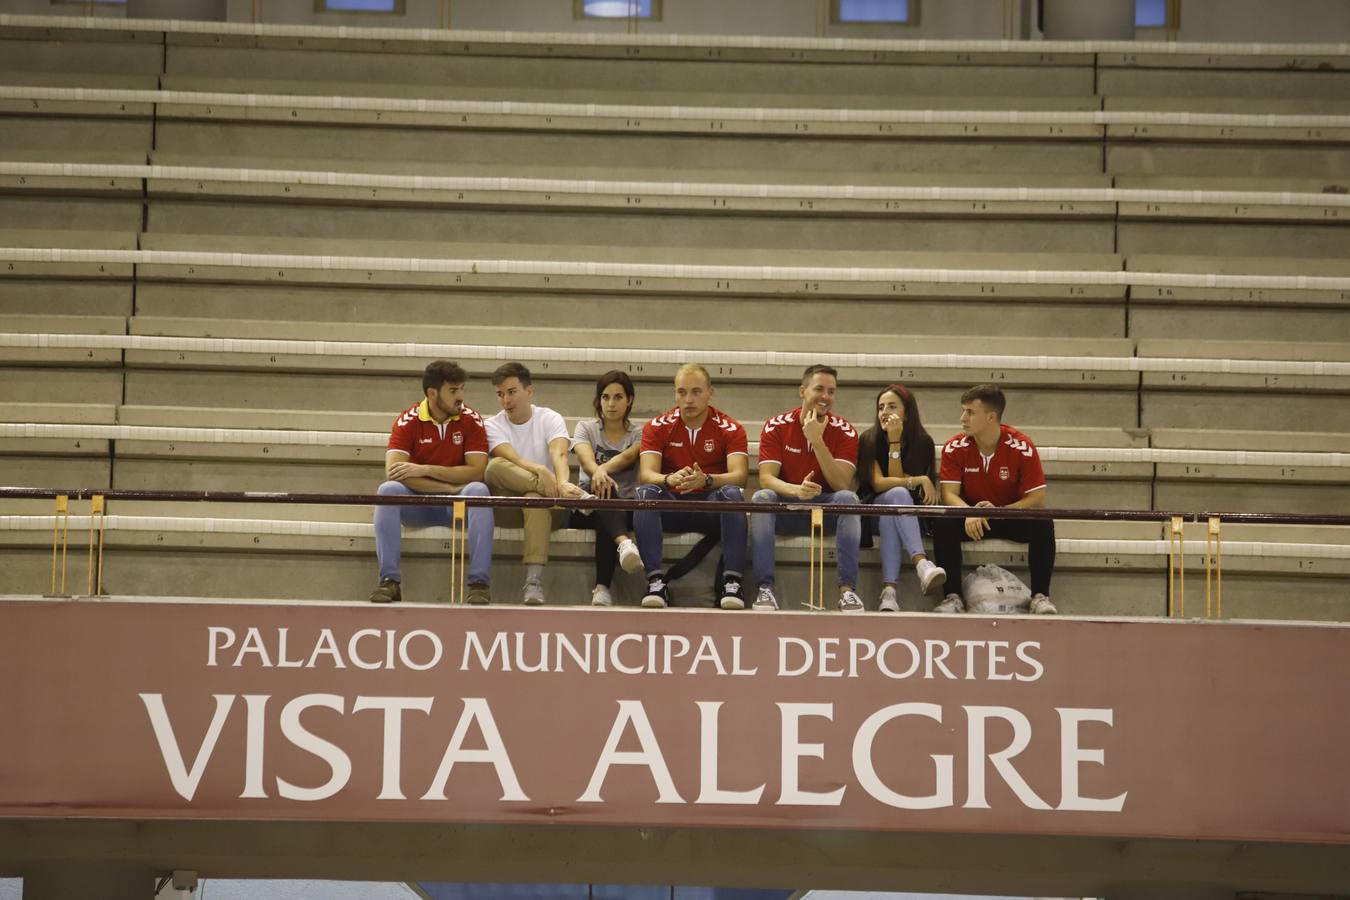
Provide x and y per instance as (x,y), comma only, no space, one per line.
(1010,474)
(783,442)
(429,444)
(708,446)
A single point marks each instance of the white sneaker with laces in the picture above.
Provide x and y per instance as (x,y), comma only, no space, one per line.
(600,596)
(931,577)
(1041,605)
(630,560)
(951,604)
(849,601)
(888,601)
(534,593)
(766,600)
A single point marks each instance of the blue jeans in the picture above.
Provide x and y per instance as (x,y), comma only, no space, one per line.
(897,532)
(763,526)
(649,525)
(389,522)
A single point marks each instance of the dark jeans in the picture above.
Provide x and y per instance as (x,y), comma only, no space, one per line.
(1037,534)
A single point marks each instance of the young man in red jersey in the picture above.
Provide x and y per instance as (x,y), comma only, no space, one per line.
(693,452)
(807,455)
(990,464)
(437,446)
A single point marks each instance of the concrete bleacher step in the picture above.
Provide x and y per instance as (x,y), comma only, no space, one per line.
(1126,572)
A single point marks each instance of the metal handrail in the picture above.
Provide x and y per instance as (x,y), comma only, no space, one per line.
(864,509)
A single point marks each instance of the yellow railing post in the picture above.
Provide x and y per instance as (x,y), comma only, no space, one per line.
(60,538)
(97,520)
(816,598)
(1176,554)
(458,543)
(1214,566)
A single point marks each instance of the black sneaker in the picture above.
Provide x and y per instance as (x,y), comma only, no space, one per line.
(389,591)
(656,596)
(732,598)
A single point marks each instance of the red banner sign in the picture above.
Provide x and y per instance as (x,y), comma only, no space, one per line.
(675,718)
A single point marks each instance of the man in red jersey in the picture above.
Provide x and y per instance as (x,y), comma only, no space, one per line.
(990,464)
(437,446)
(807,455)
(693,452)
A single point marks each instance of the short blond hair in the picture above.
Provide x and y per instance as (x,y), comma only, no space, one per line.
(690,369)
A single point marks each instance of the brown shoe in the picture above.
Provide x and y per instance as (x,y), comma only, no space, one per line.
(479,595)
(389,591)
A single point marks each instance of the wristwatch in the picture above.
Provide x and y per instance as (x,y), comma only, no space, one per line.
(707,482)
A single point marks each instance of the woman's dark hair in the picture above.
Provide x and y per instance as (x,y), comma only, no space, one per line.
(916,444)
(614,376)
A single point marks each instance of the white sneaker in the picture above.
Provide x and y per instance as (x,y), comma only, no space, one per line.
(931,577)
(766,600)
(630,560)
(951,604)
(534,593)
(600,596)
(1041,605)
(850,602)
(888,602)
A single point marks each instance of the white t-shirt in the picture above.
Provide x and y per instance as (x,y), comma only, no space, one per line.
(531,439)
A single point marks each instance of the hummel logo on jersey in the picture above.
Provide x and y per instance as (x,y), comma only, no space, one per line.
(956,444)
(1022,447)
(794,449)
(975,469)
(676,444)
(426,441)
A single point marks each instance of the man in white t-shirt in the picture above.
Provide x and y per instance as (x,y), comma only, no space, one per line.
(528,446)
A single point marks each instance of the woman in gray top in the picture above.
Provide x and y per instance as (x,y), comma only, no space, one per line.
(607,448)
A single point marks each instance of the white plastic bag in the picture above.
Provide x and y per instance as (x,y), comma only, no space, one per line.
(993,589)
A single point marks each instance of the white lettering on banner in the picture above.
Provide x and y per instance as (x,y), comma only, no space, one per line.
(794,748)
(393,707)
(708,791)
(867,773)
(476,709)
(183,781)
(632,711)
(418,650)
(900,658)
(338,761)
(631,653)
(1002,760)
(1071,756)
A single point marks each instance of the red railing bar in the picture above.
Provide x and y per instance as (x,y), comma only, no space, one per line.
(1085,515)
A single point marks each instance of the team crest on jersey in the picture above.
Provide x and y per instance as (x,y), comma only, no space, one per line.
(457,437)
(1003,473)
(709,446)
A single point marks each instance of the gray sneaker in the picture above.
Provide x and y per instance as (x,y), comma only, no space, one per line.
(534,593)
(850,602)
(1041,605)
(951,604)
(888,602)
(766,600)
(478,594)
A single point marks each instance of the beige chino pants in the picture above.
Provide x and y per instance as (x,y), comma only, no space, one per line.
(506,479)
